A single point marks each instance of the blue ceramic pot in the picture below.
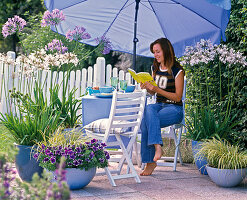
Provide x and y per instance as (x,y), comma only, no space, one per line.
(26,165)
(226,177)
(202,162)
(77,178)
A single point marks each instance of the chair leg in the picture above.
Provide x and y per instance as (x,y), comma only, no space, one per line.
(108,173)
(177,150)
(137,154)
(128,159)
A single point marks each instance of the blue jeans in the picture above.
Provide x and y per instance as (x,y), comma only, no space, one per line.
(157,116)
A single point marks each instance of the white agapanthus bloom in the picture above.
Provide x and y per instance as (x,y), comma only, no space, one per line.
(204,52)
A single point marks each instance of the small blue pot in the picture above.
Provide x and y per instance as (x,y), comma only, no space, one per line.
(26,165)
(202,162)
(130,88)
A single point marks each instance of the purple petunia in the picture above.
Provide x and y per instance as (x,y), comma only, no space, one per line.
(77,34)
(52,18)
(13,25)
(53,159)
(76,163)
(78,149)
(91,155)
(75,155)
(36,155)
(104,43)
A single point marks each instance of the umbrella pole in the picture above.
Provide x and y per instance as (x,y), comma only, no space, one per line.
(135,38)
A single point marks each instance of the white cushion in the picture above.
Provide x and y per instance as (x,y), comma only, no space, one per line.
(99,126)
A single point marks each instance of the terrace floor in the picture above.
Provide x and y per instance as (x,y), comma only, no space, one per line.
(185,183)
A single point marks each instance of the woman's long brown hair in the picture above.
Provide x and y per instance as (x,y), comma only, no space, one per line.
(168,53)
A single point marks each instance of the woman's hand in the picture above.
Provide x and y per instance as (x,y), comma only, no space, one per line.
(149,87)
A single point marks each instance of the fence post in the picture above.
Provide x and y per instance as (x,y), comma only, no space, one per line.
(100,61)
(108,74)
(7,85)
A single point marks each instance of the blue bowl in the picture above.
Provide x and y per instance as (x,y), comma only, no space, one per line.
(105,89)
(130,88)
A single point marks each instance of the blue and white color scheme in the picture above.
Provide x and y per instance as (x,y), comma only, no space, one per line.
(183,22)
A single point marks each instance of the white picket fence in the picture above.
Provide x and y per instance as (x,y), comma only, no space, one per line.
(98,75)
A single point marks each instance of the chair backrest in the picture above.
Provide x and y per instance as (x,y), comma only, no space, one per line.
(126,112)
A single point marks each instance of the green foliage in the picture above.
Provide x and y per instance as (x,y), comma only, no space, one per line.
(220,78)
(236,31)
(41,187)
(220,86)
(204,124)
(68,105)
(35,117)
(7,149)
(221,154)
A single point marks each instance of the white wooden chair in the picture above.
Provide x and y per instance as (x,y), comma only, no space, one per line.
(126,112)
(174,132)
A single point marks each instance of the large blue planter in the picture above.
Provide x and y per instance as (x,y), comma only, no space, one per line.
(77,178)
(26,165)
(202,162)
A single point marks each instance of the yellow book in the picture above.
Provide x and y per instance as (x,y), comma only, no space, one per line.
(142,77)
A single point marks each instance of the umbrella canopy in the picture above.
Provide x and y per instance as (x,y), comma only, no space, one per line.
(184,23)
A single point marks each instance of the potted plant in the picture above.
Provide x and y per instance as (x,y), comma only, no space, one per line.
(27,127)
(210,96)
(227,165)
(205,124)
(81,157)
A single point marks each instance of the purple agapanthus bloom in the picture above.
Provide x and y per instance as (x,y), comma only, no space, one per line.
(56,46)
(52,18)
(77,34)
(13,25)
(104,43)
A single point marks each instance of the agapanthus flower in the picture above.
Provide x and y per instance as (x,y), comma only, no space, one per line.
(104,44)
(52,18)
(77,34)
(56,46)
(205,52)
(13,25)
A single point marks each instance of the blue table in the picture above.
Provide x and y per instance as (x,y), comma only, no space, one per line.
(94,108)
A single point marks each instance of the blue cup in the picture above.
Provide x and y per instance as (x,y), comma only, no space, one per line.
(105,89)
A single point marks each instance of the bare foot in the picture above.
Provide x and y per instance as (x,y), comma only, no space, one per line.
(148,169)
(158,152)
